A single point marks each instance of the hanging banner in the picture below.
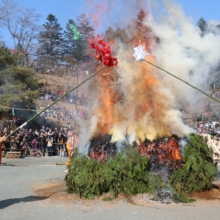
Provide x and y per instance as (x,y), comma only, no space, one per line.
(76,33)
(13,112)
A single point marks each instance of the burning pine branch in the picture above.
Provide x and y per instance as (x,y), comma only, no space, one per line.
(129,172)
(163,152)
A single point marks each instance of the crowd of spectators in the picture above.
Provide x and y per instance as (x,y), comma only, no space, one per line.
(210,131)
(10,123)
(47,141)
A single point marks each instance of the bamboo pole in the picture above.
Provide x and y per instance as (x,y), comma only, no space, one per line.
(32,118)
(182,80)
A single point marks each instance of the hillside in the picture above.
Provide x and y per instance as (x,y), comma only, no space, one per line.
(59,85)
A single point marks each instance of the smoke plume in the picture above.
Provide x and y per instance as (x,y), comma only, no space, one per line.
(135,101)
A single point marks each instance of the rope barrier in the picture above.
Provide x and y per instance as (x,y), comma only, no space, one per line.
(33,110)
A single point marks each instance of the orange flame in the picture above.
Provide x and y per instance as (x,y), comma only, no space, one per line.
(108,97)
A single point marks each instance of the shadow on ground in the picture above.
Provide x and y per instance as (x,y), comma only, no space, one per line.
(8,202)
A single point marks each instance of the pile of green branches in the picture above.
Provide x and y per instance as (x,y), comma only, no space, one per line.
(199,170)
(127,173)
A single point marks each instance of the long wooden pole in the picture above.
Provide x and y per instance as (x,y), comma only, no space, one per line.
(182,81)
(32,118)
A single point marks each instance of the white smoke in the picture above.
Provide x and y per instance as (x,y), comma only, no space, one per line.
(185,52)
(181,49)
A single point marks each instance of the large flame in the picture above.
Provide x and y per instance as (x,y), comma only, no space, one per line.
(133,102)
(108,98)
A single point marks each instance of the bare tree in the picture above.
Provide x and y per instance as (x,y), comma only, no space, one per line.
(7,8)
(22,25)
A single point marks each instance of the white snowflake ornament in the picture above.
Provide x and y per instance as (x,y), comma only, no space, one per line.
(139,53)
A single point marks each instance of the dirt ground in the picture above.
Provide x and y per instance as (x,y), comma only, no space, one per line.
(57,192)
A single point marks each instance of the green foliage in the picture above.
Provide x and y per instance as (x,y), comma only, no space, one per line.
(6,57)
(17,84)
(107,199)
(79,52)
(155,183)
(126,173)
(182,198)
(199,170)
(50,43)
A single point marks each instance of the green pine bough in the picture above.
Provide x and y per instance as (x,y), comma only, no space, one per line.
(129,173)
(199,171)
(126,173)
(32,118)
(182,81)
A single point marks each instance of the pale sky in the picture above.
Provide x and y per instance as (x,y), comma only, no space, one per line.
(65,9)
(70,9)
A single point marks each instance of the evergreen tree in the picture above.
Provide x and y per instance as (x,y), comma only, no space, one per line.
(70,43)
(76,44)
(76,40)
(117,34)
(87,31)
(51,43)
(141,29)
(17,84)
(109,34)
(143,32)
(6,57)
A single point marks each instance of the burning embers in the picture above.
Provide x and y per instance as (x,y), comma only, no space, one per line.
(163,152)
(101,149)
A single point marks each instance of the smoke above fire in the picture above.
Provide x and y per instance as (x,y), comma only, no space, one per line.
(186,52)
(134,101)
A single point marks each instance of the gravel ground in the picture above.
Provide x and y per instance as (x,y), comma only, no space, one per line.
(33,188)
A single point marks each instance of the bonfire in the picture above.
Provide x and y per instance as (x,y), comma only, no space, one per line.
(135,131)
